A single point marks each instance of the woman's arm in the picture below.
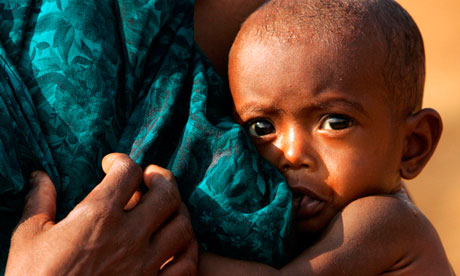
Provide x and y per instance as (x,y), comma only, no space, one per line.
(216,24)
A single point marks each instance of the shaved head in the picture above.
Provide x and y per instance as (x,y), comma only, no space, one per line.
(381,24)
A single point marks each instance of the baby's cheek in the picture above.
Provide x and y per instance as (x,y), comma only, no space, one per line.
(269,151)
(347,175)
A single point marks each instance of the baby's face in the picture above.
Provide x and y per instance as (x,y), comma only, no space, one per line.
(320,117)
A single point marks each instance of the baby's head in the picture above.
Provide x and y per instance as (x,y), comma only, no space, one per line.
(330,92)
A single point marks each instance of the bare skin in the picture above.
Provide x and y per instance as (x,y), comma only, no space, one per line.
(216,24)
(319,115)
(99,237)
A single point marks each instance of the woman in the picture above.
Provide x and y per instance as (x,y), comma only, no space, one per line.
(132,71)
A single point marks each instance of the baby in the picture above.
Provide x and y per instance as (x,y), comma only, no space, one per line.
(331,93)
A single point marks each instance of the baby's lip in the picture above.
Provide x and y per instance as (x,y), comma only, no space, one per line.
(306,207)
(306,203)
(301,189)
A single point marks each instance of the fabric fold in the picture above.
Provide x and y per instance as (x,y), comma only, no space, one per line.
(81,79)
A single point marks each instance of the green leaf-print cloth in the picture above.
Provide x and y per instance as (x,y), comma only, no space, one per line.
(80,79)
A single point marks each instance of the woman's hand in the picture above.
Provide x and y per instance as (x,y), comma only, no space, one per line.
(99,237)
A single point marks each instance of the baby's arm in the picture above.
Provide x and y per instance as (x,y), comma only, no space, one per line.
(370,236)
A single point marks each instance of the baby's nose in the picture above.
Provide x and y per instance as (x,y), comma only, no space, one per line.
(296,148)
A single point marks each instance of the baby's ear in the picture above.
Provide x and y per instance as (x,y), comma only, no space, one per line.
(423,130)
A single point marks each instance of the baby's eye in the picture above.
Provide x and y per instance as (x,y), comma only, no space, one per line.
(258,128)
(336,122)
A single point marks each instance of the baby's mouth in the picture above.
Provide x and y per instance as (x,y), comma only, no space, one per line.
(305,206)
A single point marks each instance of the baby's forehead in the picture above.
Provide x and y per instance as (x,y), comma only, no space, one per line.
(363,57)
(353,44)
(316,65)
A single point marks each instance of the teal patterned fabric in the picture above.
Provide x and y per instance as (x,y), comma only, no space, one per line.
(80,79)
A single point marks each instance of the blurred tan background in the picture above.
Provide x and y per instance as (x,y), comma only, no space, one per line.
(437,190)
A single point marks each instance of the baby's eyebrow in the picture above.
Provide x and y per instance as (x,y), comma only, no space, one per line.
(344,102)
(259,109)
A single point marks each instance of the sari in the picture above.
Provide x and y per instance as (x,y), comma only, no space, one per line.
(81,79)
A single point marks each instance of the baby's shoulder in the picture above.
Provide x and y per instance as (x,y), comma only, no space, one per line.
(387,210)
(389,220)
(393,226)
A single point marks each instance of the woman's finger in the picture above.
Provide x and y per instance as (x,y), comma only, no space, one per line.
(172,239)
(122,179)
(40,201)
(161,200)
(186,263)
